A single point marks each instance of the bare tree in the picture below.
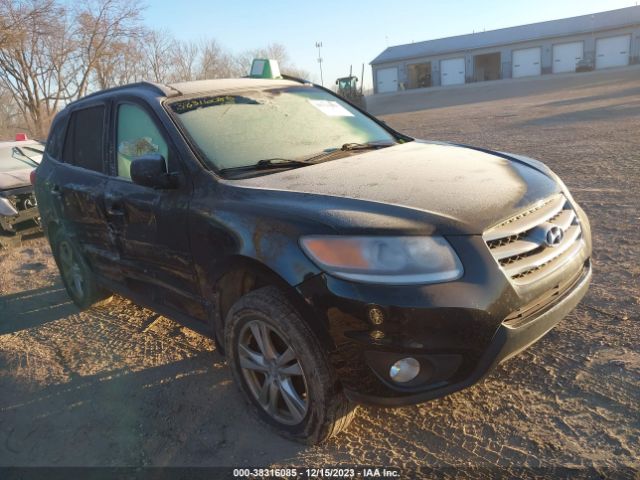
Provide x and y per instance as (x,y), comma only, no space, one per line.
(184,57)
(124,64)
(157,48)
(16,16)
(32,59)
(101,28)
(11,119)
(53,54)
(215,62)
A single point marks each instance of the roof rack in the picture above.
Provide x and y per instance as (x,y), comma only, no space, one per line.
(296,79)
(169,90)
(161,88)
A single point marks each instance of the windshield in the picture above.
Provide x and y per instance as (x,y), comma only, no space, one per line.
(286,123)
(19,158)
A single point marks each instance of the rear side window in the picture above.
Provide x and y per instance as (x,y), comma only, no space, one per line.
(56,138)
(83,146)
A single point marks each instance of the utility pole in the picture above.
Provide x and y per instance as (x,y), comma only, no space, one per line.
(319,46)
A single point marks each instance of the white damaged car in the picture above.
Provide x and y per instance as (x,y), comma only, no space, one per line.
(19,214)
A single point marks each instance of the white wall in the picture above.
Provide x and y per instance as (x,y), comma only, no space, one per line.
(506,51)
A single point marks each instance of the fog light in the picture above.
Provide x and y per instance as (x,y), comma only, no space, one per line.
(404,370)
(376,316)
(376,334)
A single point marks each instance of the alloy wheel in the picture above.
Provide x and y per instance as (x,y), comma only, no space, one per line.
(71,270)
(273,373)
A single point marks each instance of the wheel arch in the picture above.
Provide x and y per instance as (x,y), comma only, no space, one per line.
(245,274)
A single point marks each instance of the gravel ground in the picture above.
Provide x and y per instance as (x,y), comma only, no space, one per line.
(118,385)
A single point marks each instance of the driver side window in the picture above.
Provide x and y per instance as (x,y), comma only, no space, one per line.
(137,136)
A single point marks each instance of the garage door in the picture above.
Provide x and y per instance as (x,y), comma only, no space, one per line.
(526,62)
(566,55)
(612,51)
(387,79)
(452,71)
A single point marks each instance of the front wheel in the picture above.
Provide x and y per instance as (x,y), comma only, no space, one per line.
(280,367)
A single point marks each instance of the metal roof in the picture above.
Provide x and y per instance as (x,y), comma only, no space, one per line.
(553,28)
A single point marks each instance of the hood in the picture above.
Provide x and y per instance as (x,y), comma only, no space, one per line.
(475,189)
(15,179)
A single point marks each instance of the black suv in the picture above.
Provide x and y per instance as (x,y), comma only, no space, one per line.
(334,260)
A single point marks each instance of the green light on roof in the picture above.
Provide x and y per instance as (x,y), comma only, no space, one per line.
(265,68)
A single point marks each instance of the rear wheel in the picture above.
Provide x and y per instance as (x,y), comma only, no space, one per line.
(282,370)
(77,278)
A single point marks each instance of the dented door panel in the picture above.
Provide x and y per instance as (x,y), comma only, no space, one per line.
(79,195)
(150,227)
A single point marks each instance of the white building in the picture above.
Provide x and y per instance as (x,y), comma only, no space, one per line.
(601,40)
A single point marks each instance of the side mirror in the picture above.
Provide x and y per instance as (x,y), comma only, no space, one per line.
(150,170)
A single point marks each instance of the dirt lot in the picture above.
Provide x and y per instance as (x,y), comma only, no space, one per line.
(118,386)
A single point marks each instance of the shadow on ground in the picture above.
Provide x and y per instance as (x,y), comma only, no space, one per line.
(33,308)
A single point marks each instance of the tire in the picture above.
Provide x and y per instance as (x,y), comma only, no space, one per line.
(77,277)
(309,405)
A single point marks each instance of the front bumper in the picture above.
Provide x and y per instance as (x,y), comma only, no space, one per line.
(506,343)
(25,220)
(458,331)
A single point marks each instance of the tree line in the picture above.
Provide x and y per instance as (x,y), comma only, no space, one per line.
(53,52)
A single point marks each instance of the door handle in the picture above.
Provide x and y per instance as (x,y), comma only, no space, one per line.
(55,191)
(113,207)
(115,210)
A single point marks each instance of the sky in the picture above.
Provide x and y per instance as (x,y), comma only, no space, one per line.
(351,32)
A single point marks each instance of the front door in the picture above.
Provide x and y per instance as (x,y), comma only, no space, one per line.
(151,225)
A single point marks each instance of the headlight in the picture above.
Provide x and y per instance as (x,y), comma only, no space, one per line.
(6,209)
(389,260)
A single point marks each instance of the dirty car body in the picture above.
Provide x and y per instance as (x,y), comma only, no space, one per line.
(514,243)
(19,214)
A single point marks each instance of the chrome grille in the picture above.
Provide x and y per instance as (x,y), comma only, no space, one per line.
(519,244)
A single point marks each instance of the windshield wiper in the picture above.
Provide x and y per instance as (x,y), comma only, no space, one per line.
(280,162)
(269,163)
(17,153)
(274,163)
(364,146)
(347,147)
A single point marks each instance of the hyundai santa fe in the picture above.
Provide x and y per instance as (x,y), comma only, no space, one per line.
(334,260)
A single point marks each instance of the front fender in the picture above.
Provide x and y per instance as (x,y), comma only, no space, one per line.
(267,237)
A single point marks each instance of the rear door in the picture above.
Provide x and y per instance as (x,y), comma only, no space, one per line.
(75,186)
(150,225)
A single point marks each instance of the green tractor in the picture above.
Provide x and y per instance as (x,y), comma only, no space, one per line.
(348,89)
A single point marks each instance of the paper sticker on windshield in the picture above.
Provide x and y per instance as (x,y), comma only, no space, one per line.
(330,108)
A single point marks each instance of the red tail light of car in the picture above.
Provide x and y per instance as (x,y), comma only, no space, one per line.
(32,177)
(21,137)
